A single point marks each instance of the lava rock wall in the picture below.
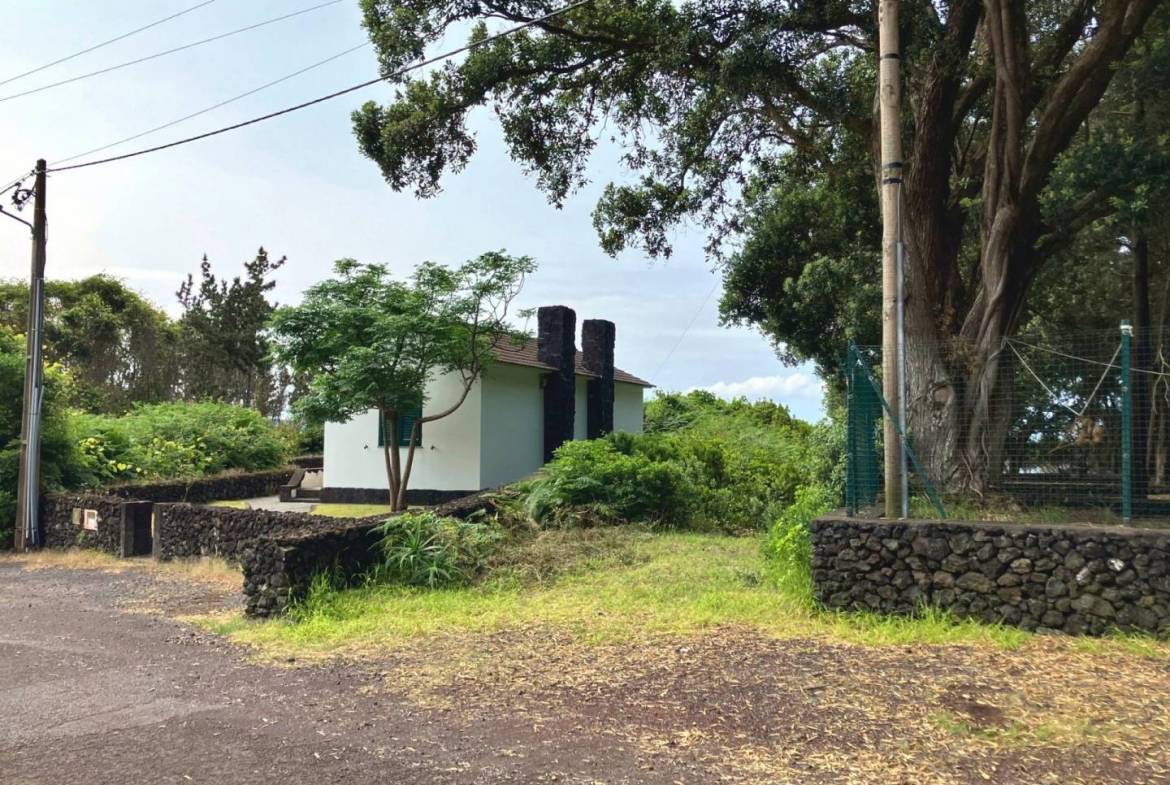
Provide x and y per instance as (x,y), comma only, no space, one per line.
(1075,578)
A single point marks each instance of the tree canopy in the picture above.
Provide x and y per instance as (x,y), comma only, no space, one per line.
(224,346)
(757,118)
(119,348)
(370,341)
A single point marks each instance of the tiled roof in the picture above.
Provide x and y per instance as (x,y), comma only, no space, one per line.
(524,353)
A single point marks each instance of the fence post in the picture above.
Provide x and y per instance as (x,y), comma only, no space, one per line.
(1126,425)
(850,424)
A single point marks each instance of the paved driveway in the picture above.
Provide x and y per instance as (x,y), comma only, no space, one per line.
(98,685)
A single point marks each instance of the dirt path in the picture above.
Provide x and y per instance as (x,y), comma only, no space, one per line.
(99,685)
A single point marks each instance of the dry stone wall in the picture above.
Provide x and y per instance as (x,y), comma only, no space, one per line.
(63,528)
(231,485)
(1075,578)
(279,569)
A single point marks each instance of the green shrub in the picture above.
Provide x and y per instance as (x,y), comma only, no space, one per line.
(787,546)
(423,549)
(59,466)
(610,485)
(703,464)
(177,440)
(302,438)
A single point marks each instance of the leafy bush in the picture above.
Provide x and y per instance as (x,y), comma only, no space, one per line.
(787,546)
(613,485)
(58,447)
(176,440)
(704,464)
(423,549)
(302,438)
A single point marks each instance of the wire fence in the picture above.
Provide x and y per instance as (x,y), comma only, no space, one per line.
(1043,428)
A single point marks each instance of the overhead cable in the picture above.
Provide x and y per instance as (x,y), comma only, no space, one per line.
(304,105)
(157,55)
(95,47)
(215,106)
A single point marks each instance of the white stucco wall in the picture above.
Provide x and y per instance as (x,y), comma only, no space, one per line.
(447,460)
(627,407)
(512,440)
(494,438)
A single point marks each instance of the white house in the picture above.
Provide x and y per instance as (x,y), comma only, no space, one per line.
(536,396)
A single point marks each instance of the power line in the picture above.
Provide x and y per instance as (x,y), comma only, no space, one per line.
(213,107)
(694,319)
(106,43)
(157,55)
(400,72)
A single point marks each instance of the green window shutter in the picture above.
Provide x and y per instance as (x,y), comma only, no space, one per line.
(405,426)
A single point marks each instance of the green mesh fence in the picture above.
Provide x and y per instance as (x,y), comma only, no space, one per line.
(1070,427)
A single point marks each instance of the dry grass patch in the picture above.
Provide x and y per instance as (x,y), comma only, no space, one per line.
(72,558)
(208,569)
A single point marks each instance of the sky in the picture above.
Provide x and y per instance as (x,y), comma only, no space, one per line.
(298,185)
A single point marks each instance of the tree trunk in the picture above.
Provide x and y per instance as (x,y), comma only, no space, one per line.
(391,455)
(404,481)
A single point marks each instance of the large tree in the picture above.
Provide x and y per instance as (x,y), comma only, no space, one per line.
(368,341)
(119,348)
(709,97)
(224,345)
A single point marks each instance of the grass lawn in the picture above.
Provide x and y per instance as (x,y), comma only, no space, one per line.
(599,586)
(328,510)
(687,650)
(350,510)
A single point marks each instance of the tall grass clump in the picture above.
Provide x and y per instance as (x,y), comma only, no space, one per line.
(424,549)
(788,544)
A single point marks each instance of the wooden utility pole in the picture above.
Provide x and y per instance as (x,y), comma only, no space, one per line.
(28,489)
(890,107)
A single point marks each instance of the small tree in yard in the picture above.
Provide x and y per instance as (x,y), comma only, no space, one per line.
(368,341)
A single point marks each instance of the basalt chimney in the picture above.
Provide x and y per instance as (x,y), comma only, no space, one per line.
(597,341)
(556,346)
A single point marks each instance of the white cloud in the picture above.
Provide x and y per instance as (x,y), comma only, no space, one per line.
(797,384)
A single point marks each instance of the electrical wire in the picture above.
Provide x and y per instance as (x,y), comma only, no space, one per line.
(213,107)
(106,43)
(15,182)
(682,337)
(157,55)
(330,96)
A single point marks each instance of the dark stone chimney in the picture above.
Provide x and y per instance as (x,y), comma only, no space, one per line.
(556,346)
(597,340)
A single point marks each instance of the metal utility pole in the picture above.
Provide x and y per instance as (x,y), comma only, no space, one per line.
(28,488)
(890,107)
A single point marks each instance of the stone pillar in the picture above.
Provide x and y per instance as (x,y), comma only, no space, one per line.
(597,340)
(557,346)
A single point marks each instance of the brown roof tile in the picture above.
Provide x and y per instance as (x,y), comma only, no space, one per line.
(524,353)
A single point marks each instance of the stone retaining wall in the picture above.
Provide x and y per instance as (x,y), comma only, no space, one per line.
(231,485)
(61,530)
(279,569)
(187,530)
(1076,578)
